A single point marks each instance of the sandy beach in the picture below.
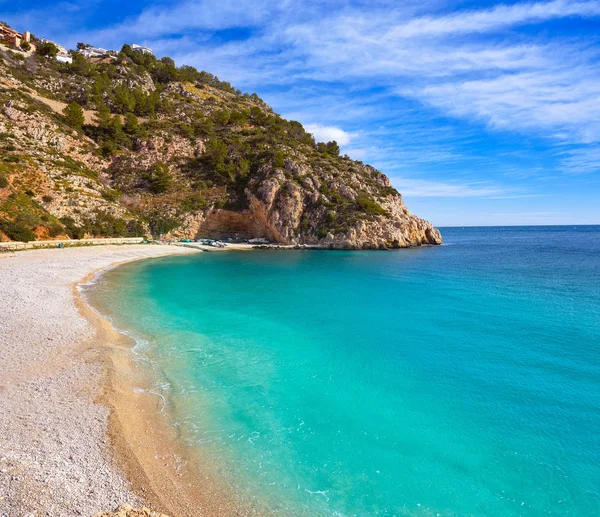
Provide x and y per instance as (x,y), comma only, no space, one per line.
(56,451)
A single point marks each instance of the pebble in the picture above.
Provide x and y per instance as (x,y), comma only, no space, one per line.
(53,449)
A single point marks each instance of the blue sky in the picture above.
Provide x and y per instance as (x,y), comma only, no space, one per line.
(481,113)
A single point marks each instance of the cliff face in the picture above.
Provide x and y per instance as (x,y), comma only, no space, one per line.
(177,159)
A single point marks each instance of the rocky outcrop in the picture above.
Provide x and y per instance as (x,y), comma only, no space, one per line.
(207,162)
(284,211)
(290,213)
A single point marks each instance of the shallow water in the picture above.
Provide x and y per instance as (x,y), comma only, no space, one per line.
(461,380)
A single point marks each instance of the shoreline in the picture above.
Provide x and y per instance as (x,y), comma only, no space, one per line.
(60,408)
(167,474)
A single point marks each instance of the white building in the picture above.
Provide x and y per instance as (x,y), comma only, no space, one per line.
(141,48)
(94,52)
(64,58)
(61,49)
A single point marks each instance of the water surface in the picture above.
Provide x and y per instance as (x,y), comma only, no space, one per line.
(461,380)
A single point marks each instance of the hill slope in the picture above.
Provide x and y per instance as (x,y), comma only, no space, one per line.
(176,153)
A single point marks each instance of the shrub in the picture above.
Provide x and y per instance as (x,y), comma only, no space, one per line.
(160,178)
(278,159)
(3,181)
(16,230)
(368,206)
(74,115)
(47,49)
(25,46)
(159,225)
(221,117)
(131,126)
(47,199)
(135,229)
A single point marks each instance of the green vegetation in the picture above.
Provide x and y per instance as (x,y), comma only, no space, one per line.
(103,224)
(25,46)
(74,115)
(331,148)
(47,49)
(169,141)
(368,206)
(160,178)
(17,230)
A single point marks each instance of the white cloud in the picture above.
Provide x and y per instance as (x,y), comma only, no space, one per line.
(564,102)
(426,188)
(328,133)
(581,160)
(322,64)
(497,17)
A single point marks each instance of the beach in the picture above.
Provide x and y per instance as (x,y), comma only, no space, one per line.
(56,450)
(303,383)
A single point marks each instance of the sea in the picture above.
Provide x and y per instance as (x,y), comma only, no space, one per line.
(454,380)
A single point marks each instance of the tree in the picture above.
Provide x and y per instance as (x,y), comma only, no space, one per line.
(80,66)
(25,46)
(82,46)
(221,117)
(103,116)
(259,117)
(47,49)
(131,126)
(160,178)
(74,115)
(164,71)
(333,148)
(189,74)
(238,118)
(216,152)
(124,99)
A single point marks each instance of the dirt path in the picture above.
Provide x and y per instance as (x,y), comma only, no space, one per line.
(90,116)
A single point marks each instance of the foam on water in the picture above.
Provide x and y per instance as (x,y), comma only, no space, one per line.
(460,380)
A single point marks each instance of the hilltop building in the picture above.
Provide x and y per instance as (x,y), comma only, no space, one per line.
(63,55)
(64,58)
(15,38)
(97,54)
(141,48)
(61,50)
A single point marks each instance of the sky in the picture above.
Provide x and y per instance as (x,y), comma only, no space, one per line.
(481,113)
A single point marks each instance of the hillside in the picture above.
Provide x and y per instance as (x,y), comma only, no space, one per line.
(147,148)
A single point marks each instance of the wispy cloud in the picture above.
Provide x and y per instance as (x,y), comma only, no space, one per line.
(496,18)
(480,97)
(426,188)
(581,160)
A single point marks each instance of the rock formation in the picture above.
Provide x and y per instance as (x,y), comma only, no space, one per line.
(171,158)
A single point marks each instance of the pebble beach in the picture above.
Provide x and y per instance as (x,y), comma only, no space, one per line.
(55,459)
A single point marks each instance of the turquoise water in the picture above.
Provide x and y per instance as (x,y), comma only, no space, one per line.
(461,380)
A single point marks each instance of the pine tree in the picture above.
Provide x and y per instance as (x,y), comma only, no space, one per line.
(74,115)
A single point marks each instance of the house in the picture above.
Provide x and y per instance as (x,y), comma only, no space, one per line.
(64,58)
(97,52)
(15,39)
(61,49)
(141,48)
(90,52)
(10,36)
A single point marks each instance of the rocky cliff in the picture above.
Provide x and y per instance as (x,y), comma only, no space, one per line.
(146,148)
